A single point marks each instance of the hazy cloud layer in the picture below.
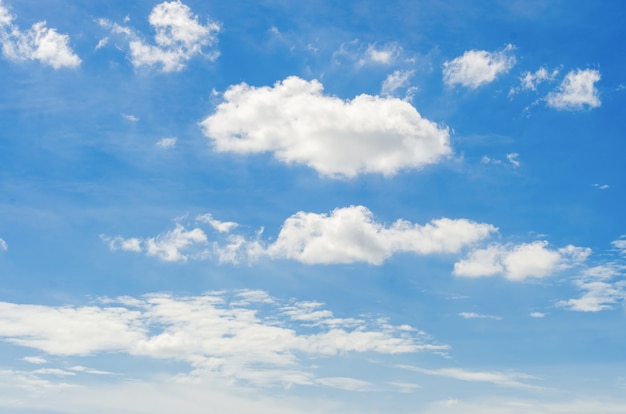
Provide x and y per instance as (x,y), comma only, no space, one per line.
(478,67)
(296,122)
(37,43)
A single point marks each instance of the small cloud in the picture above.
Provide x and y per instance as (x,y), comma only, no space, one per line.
(220,226)
(601,186)
(512,157)
(102,43)
(478,67)
(472,315)
(131,118)
(34,360)
(396,80)
(529,81)
(3,245)
(167,142)
(576,91)
(620,244)
(488,160)
(537,314)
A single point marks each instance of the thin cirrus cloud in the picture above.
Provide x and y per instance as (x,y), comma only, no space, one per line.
(521,261)
(215,333)
(179,36)
(603,287)
(37,43)
(505,379)
(478,67)
(576,92)
(345,235)
(338,138)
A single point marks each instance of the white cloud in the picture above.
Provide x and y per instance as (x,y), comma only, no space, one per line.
(530,81)
(601,291)
(346,235)
(478,67)
(131,118)
(472,315)
(512,157)
(601,186)
(577,90)
(351,234)
(396,80)
(216,333)
(620,244)
(373,54)
(506,379)
(179,37)
(338,138)
(169,142)
(519,262)
(384,54)
(537,315)
(344,383)
(3,245)
(37,43)
(221,226)
(35,360)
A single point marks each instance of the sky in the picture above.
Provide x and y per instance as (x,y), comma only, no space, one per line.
(312,207)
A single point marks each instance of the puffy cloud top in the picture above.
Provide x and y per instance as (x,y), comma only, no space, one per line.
(478,67)
(576,91)
(338,138)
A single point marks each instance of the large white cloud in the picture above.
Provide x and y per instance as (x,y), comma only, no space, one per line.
(519,262)
(179,37)
(298,124)
(224,334)
(346,235)
(351,234)
(478,67)
(576,91)
(37,43)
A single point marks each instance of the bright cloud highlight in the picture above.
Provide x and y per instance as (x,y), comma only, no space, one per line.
(576,91)
(478,67)
(37,43)
(519,262)
(298,124)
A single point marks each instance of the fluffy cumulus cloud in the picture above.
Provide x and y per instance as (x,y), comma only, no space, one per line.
(478,67)
(338,138)
(351,234)
(179,36)
(37,43)
(518,262)
(577,91)
(345,235)
(220,334)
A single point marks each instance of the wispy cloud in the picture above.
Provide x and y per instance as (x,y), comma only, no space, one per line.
(473,315)
(506,379)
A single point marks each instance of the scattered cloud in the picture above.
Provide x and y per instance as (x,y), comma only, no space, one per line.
(529,81)
(620,244)
(131,118)
(351,234)
(373,54)
(346,235)
(512,157)
(3,245)
(576,91)
(478,67)
(519,262)
(37,43)
(179,37)
(35,360)
(601,186)
(505,379)
(603,287)
(215,333)
(169,142)
(472,315)
(337,138)
(399,79)
(537,315)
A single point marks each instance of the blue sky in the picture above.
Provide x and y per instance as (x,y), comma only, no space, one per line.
(271,206)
